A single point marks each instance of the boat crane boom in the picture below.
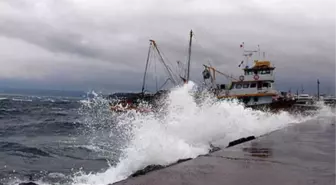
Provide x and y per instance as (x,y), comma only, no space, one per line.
(215,70)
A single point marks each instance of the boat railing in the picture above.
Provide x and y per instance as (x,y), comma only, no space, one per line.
(251,77)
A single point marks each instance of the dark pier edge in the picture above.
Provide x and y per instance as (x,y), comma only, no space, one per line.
(154,167)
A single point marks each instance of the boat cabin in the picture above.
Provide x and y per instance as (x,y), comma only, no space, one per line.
(262,70)
(259,85)
(255,86)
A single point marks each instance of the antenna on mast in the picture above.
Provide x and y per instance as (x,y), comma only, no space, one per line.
(259,51)
(247,54)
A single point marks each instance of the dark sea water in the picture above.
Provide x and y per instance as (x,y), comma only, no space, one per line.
(54,140)
(47,138)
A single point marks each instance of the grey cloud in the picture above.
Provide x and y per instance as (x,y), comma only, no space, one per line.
(110,43)
(49,38)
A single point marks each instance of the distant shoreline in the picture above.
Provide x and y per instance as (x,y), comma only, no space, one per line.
(41,92)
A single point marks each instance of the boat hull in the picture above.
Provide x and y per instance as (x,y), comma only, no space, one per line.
(281,105)
(288,106)
(134,102)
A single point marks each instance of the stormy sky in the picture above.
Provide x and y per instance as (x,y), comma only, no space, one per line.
(103,44)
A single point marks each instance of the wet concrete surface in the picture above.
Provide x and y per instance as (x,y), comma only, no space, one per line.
(302,154)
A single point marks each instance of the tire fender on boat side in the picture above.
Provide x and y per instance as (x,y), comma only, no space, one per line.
(256,77)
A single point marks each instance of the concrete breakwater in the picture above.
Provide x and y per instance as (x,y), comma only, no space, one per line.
(300,154)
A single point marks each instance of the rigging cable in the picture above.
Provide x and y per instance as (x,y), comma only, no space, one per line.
(146,68)
(172,74)
(156,82)
(168,79)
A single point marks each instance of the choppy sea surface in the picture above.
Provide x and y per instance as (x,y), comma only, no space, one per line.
(59,140)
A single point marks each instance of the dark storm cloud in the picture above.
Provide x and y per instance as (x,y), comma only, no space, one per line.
(58,40)
(103,44)
(48,38)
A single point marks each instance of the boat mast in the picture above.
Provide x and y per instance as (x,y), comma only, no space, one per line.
(144,78)
(318,89)
(189,55)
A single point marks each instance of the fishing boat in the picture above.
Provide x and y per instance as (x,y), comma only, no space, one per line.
(330,101)
(254,88)
(306,102)
(146,101)
(305,99)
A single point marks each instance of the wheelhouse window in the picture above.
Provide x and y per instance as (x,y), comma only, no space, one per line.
(253,85)
(266,71)
(248,72)
(266,85)
(238,86)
